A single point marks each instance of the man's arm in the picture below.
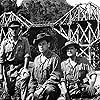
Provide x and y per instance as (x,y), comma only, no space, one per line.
(56,73)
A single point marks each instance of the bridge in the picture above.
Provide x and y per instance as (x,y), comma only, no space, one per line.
(82,25)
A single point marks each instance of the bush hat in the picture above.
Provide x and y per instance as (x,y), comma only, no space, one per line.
(14,24)
(70,43)
(42,36)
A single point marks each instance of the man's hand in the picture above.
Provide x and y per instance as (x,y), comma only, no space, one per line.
(65,94)
(38,92)
(30,97)
(10,72)
(70,78)
(35,95)
(24,73)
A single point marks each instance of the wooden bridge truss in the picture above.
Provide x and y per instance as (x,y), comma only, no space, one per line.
(6,18)
(81,24)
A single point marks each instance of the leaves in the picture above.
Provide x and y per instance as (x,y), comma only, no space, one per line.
(9,5)
(46,10)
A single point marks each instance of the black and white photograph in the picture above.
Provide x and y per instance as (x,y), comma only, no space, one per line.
(49,49)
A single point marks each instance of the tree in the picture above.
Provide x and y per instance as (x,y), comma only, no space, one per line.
(46,10)
(9,5)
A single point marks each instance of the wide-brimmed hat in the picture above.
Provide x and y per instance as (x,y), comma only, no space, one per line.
(14,24)
(42,36)
(70,43)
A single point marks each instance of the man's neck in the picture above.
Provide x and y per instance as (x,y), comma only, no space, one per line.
(44,56)
(73,58)
(73,61)
(45,53)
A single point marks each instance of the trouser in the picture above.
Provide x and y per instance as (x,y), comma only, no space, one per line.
(20,82)
(52,92)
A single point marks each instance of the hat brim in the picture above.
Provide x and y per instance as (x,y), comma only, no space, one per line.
(48,38)
(77,46)
(14,26)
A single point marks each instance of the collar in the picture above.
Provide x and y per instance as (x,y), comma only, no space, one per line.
(47,54)
(70,61)
(73,63)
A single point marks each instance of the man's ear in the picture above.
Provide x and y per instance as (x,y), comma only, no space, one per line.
(49,44)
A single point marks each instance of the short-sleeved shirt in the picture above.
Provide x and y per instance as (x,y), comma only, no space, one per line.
(14,52)
(72,69)
(48,72)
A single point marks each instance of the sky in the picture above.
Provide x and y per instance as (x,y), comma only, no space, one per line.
(73,2)
(19,2)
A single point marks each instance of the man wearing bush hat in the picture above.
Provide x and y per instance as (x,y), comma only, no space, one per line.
(14,55)
(69,43)
(46,73)
(77,72)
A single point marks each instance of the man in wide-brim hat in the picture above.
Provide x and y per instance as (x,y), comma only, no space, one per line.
(47,71)
(70,43)
(76,69)
(14,56)
(42,36)
(15,28)
(12,24)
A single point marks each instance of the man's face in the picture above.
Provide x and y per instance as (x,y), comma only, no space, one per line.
(15,31)
(71,51)
(43,46)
